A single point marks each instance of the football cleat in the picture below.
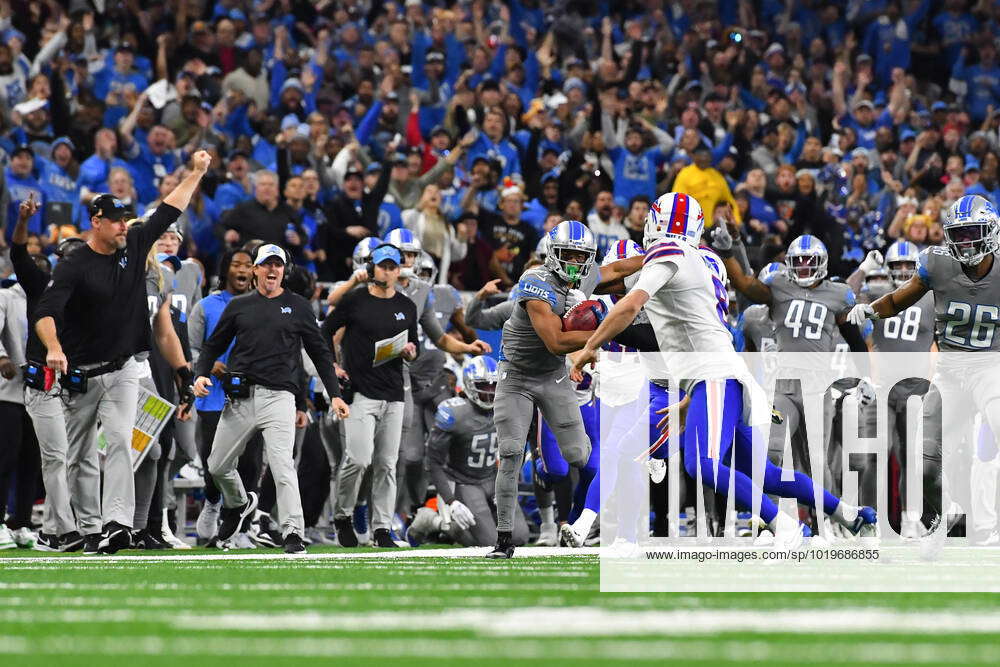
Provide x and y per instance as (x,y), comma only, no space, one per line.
(548,535)
(318,537)
(932,544)
(502,551)
(91,544)
(866,522)
(345,534)
(25,538)
(382,539)
(570,537)
(986,538)
(657,470)
(622,548)
(293,544)
(233,518)
(6,538)
(167,535)
(114,538)
(47,542)
(146,540)
(207,526)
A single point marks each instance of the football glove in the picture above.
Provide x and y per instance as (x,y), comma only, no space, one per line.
(461,515)
(873,260)
(860,313)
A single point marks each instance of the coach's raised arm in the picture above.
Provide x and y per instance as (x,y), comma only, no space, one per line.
(98,297)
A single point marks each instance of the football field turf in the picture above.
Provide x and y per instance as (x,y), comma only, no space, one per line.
(446,607)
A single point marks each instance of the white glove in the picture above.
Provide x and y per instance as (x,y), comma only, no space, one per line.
(873,260)
(860,313)
(722,240)
(864,391)
(574,297)
(461,515)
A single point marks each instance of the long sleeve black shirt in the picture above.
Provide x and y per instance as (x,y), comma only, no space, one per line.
(270,334)
(33,281)
(368,319)
(100,300)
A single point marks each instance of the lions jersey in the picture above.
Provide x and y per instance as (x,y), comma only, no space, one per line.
(421,294)
(910,331)
(158,292)
(805,318)
(758,329)
(966,311)
(187,286)
(521,345)
(463,442)
(426,367)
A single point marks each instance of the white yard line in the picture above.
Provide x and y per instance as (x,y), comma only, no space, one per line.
(469,552)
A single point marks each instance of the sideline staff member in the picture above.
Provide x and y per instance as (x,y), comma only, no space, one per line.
(98,295)
(271,325)
(369,321)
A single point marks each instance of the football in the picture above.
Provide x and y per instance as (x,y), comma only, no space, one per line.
(582,317)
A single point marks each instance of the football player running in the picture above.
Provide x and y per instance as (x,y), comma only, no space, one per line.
(462,456)
(683,301)
(532,360)
(965,281)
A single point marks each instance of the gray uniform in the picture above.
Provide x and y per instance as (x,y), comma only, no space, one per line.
(185,293)
(488,319)
(145,476)
(462,453)
(805,321)
(531,376)
(966,314)
(425,371)
(410,466)
(758,329)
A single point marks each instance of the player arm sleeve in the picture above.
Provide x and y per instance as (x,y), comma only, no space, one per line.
(414,336)
(488,319)
(196,331)
(654,276)
(429,323)
(319,353)
(219,341)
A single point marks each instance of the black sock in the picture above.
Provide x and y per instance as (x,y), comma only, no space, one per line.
(504,538)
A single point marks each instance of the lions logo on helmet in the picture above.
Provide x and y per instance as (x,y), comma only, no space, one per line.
(479,381)
(403,239)
(970,229)
(571,236)
(427,270)
(901,258)
(806,261)
(624,250)
(363,250)
(674,215)
(768,273)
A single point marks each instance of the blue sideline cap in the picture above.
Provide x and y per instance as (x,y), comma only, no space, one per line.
(386,252)
(266,252)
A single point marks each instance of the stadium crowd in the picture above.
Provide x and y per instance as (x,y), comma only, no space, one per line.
(461,132)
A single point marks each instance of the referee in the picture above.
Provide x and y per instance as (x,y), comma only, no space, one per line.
(378,328)
(98,296)
(271,325)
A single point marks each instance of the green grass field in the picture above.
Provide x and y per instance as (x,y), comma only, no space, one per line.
(260,608)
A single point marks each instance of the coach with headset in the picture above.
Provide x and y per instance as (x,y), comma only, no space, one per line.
(374,330)
(271,325)
(98,297)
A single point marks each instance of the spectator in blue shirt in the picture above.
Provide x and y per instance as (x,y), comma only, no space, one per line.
(494,145)
(237,188)
(982,81)
(94,170)
(636,165)
(114,84)
(59,183)
(956,27)
(22,184)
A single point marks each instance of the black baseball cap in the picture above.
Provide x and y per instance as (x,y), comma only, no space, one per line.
(108,206)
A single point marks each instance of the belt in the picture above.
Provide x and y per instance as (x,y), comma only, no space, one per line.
(109,367)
